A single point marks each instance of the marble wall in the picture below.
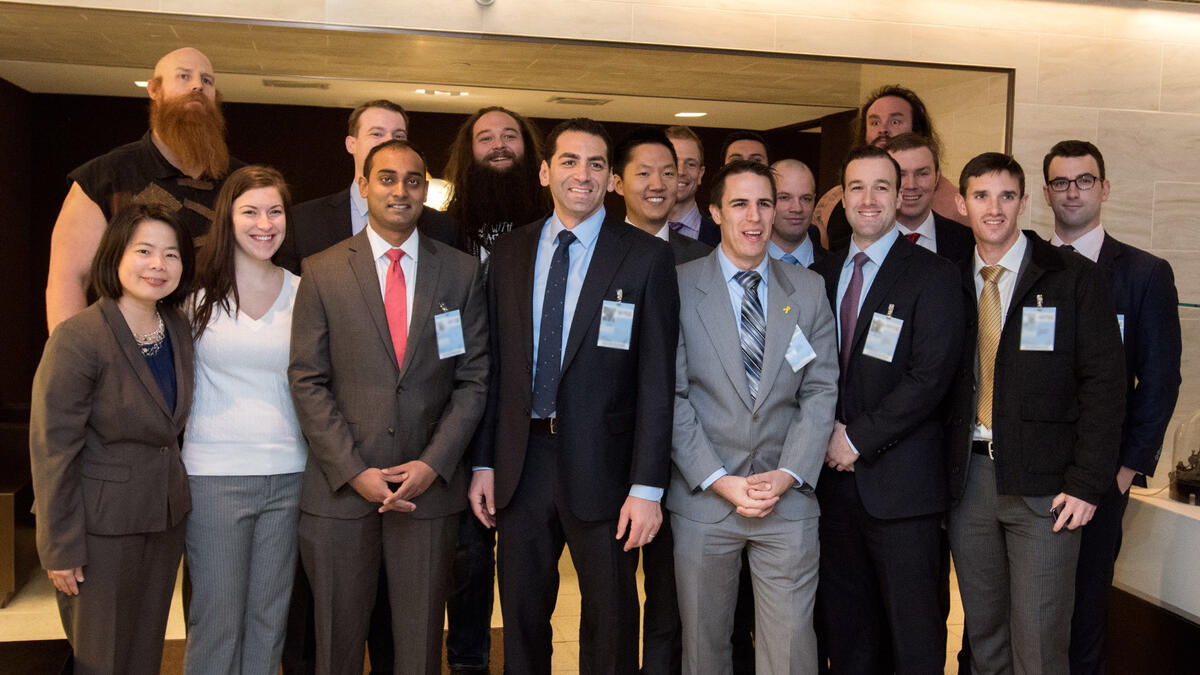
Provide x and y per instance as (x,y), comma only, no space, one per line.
(1122,73)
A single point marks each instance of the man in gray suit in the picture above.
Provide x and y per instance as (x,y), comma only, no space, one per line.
(388,373)
(756,385)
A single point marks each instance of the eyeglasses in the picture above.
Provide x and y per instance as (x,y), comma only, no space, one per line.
(1085,182)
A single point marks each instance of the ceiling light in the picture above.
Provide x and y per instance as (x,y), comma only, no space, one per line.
(141,83)
(690,114)
(420,91)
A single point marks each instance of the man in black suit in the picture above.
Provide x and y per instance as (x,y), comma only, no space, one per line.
(317,224)
(794,239)
(1033,427)
(575,444)
(883,491)
(686,217)
(920,174)
(1147,306)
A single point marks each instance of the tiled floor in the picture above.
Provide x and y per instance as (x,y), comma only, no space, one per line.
(33,615)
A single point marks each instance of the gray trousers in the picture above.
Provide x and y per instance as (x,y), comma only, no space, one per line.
(241,553)
(783,558)
(1016,577)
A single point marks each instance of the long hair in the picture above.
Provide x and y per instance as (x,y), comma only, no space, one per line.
(922,125)
(216,276)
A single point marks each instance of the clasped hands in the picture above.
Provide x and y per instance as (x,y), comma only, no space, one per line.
(754,496)
(414,478)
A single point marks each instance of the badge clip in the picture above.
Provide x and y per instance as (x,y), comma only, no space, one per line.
(620,294)
(443,306)
(891,307)
(1039,299)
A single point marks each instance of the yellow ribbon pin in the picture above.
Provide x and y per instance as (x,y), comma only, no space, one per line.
(787,309)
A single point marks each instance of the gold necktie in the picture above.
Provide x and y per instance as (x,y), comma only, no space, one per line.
(990,323)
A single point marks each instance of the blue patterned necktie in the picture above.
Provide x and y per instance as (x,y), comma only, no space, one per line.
(549,362)
(753,329)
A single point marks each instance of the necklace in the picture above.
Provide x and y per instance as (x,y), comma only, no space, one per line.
(151,342)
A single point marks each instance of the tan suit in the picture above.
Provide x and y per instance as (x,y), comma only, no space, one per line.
(110,486)
(358,408)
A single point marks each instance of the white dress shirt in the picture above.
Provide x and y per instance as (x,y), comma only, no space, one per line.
(1088,245)
(408,264)
(926,230)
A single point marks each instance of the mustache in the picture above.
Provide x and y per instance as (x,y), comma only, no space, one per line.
(500,153)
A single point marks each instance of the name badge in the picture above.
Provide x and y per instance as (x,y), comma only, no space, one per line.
(799,351)
(616,325)
(1121,325)
(449,334)
(1037,328)
(883,336)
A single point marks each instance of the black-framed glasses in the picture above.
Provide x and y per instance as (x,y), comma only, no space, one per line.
(1085,182)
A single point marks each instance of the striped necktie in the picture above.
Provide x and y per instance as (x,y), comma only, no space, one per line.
(753,329)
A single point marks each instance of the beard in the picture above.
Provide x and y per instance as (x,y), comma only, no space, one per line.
(195,136)
(489,203)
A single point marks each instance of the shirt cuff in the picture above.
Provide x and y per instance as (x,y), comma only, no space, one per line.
(646,492)
(481,468)
(713,477)
(846,433)
(799,481)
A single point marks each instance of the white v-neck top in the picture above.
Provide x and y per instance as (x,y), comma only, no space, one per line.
(243,422)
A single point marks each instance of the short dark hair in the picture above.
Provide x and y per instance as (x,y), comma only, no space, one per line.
(912,141)
(582,124)
(991,162)
(921,124)
(646,135)
(869,152)
(355,114)
(679,132)
(394,144)
(743,135)
(1072,149)
(106,281)
(737,166)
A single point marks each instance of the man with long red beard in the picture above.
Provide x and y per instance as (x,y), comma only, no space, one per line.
(180,164)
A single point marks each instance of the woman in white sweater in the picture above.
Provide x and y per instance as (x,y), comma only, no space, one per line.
(243,449)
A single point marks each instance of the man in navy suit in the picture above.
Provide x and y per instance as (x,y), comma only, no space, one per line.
(1147,306)
(686,217)
(920,174)
(883,491)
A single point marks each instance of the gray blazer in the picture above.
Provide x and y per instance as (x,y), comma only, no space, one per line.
(103,443)
(357,407)
(716,422)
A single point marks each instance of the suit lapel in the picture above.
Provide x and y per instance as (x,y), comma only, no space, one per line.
(526,254)
(1029,274)
(429,270)
(610,251)
(1110,250)
(362,263)
(183,365)
(893,265)
(133,354)
(717,317)
(779,327)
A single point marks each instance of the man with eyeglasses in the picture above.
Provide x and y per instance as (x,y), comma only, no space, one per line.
(1147,306)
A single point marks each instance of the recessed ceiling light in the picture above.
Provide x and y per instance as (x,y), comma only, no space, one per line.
(141,83)
(420,91)
(690,114)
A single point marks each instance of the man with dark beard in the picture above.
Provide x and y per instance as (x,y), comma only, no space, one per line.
(180,164)
(493,166)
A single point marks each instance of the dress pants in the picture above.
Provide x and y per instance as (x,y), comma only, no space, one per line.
(880,580)
(1098,549)
(1016,576)
(662,637)
(532,531)
(469,608)
(783,557)
(117,622)
(342,558)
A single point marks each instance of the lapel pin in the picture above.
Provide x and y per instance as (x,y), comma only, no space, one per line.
(787,309)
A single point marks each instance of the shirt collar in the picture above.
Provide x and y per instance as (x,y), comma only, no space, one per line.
(1088,245)
(877,251)
(585,232)
(692,217)
(728,269)
(380,247)
(925,229)
(1011,260)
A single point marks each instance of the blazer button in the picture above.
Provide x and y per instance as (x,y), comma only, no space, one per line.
(399,388)
(391,431)
(528,412)
(755,417)
(162,450)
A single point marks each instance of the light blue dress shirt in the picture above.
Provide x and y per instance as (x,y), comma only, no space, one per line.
(876,252)
(803,253)
(358,209)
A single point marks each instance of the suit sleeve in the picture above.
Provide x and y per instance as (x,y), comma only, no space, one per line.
(63,392)
(691,451)
(657,333)
(937,327)
(466,406)
(330,442)
(483,448)
(816,397)
(1156,371)
(1100,389)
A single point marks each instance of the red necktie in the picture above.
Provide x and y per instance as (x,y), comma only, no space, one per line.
(913,236)
(395,304)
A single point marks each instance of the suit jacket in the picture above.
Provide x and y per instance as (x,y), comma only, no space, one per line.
(716,422)
(686,249)
(103,443)
(955,241)
(357,407)
(893,410)
(1056,416)
(1143,291)
(317,224)
(614,406)
(814,236)
(710,232)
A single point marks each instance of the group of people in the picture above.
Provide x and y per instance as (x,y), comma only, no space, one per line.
(790,410)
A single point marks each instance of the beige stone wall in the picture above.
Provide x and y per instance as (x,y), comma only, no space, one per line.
(1122,73)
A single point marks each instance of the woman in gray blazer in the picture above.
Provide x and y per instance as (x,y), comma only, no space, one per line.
(110,399)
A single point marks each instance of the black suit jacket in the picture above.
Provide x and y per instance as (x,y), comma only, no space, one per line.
(317,224)
(1056,416)
(686,249)
(892,410)
(1143,291)
(710,232)
(614,407)
(955,241)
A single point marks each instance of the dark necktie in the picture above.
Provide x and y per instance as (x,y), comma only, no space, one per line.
(1067,247)
(549,362)
(913,236)
(848,313)
(790,259)
(675,225)
(753,329)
